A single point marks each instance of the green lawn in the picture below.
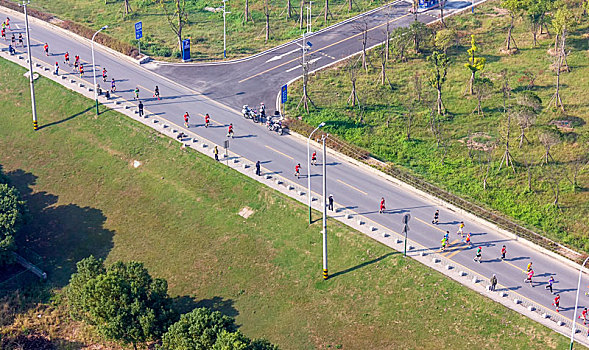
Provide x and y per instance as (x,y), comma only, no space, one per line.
(380,125)
(205,28)
(177,213)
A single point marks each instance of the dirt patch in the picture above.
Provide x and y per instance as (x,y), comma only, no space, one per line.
(508,52)
(246,212)
(564,125)
(479,141)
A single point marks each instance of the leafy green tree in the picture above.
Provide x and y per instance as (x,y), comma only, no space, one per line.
(197,330)
(536,12)
(474,63)
(400,40)
(514,7)
(437,77)
(419,34)
(11,217)
(123,302)
(445,39)
(231,341)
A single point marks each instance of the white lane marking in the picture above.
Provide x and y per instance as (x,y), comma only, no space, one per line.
(279,57)
(297,66)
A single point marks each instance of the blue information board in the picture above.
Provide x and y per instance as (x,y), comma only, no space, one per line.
(284,93)
(186,50)
(138,30)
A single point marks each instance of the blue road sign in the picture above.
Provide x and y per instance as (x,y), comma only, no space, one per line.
(138,30)
(186,50)
(309,44)
(284,93)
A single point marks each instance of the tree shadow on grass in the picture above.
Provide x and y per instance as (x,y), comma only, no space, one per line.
(216,303)
(61,235)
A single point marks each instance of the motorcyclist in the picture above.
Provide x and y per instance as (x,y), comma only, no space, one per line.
(262,110)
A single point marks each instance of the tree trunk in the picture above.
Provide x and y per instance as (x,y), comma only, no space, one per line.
(509,33)
(349,5)
(180,23)
(442,13)
(288,8)
(326,10)
(472,82)
(267,14)
(301,15)
(247,11)
(126,7)
(440,106)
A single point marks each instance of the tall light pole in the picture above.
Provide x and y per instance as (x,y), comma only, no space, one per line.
(309,17)
(33,105)
(309,167)
(94,68)
(224,30)
(325,273)
(577,304)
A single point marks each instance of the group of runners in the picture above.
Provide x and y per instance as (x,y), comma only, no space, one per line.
(11,48)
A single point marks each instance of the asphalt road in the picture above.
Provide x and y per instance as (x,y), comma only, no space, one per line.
(353,187)
(259,78)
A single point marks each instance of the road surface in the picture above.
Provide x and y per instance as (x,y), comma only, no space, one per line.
(352,186)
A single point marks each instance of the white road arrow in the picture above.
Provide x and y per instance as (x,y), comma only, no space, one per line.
(298,67)
(279,57)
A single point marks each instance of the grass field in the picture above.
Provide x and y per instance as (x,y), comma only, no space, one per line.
(177,213)
(380,124)
(205,28)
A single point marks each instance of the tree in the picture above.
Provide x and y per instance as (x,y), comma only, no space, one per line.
(400,41)
(445,39)
(231,341)
(126,7)
(514,7)
(483,86)
(577,166)
(563,20)
(419,32)
(474,63)
(536,13)
(362,28)
(353,71)
(548,139)
(123,302)
(11,218)
(197,330)
(528,106)
(176,17)
(439,68)
(288,9)
(267,15)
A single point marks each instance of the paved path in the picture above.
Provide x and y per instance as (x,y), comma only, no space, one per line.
(354,187)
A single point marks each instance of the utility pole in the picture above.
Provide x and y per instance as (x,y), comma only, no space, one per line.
(324,203)
(309,17)
(406,219)
(94,68)
(33,105)
(224,30)
(309,167)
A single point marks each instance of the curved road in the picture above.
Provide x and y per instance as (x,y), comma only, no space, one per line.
(353,187)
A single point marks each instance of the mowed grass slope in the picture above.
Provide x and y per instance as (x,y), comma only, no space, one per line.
(203,27)
(380,126)
(177,213)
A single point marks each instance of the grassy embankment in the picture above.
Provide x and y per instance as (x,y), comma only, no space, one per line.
(205,28)
(177,212)
(380,124)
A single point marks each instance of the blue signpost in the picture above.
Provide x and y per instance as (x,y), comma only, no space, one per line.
(186,50)
(139,34)
(284,98)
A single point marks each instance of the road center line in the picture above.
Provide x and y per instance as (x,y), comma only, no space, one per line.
(352,187)
(277,151)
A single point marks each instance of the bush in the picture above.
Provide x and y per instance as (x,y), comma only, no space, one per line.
(11,217)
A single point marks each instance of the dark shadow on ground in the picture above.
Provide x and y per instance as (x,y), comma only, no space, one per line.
(370,262)
(28,340)
(225,306)
(66,119)
(61,235)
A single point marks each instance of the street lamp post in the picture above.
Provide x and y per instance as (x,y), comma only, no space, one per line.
(577,304)
(224,30)
(325,273)
(309,167)
(94,68)
(32,81)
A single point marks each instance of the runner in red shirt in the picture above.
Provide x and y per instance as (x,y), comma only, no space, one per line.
(314,158)
(557,302)
(584,316)
(76,62)
(298,170)
(207,120)
(503,251)
(186,116)
(104,74)
(382,207)
(46,49)
(230,131)
(81,70)
(66,57)
(3,33)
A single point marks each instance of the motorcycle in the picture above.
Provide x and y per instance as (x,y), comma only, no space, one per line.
(247,112)
(275,125)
